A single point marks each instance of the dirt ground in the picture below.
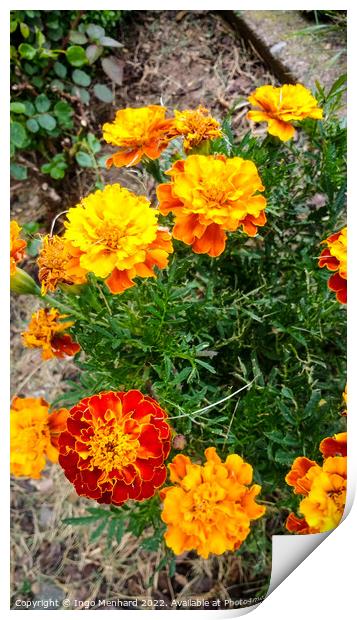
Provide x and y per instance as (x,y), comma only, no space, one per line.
(182,59)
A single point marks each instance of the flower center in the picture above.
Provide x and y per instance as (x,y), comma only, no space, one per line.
(110,237)
(204,505)
(338,498)
(111,448)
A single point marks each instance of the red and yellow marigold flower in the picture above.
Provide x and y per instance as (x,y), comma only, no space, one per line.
(196,126)
(334,446)
(58,263)
(209,507)
(34,435)
(17,246)
(279,105)
(138,132)
(324,491)
(334,257)
(118,236)
(115,446)
(46,331)
(210,195)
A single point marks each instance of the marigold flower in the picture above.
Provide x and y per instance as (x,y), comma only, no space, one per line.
(210,506)
(58,263)
(209,195)
(334,446)
(298,525)
(45,331)
(115,446)
(17,246)
(324,490)
(324,505)
(279,105)
(334,257)
(196,126)
(138,132)
(118,236)
(34,435)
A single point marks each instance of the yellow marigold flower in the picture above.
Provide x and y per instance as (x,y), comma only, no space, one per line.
(196,126)
(334,257)
(17,246)
(58,263)
(118,236)
(210,506)
(324,505)
(209,195)
(323,488)
(138,132)
(45,331)
(279,105)
(34,435)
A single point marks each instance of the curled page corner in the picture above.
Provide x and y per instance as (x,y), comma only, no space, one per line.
(288,552)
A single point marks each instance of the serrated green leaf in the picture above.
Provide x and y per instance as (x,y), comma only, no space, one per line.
(76,56)
(47,121)
(27,51)
(60,69)
(18,134)
(18,171)
(84,160)
(42,103)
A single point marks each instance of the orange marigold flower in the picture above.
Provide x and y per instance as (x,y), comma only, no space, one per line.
(297,476)
(138,132)
(324,505)
(115,446)
(209,507)
(334,257)
(58,263)
(279,105)
(118,236)
(196,126)
(34,435)
(45,331)
(297,525)
(209,195)
(334,446)
(17,246)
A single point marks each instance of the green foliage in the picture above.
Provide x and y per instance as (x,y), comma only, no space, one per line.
(54,73)
(246,351)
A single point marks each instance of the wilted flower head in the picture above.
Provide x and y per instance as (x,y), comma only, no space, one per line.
(209,195)
(34,435)
(46,331)
(115,446)
(196,126)
(118,236)
(279,105)
(209,507)
(17,246)
(58,263)
(334,257)
(138,132)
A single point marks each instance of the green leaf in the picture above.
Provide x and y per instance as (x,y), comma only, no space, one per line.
(42,103)
(77,37)
(27,51)
(103,93)
(99,530)
(18,171)
(82,93)
(18,134)
(60,69)
(79,520)
(84,160)
(93,52)
(17,107)
(81,78)
(109,42)
(93,143)
(32,125)
(47,121)
(76,56)
(25,30)
(64,112)
(94,31)
(29,108)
